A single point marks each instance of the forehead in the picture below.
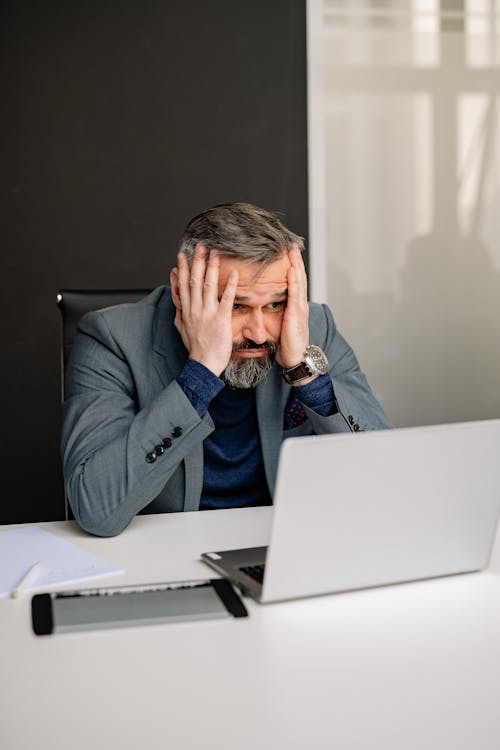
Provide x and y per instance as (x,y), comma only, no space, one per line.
(251,279)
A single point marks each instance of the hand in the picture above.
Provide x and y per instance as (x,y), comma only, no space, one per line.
(203,321)
(294,336)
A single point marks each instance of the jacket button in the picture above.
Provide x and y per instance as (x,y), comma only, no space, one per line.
(356,428)
(177,431)
(166,443)
(151,457)
(159,450)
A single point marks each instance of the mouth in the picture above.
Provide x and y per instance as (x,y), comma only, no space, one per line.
(246,353)
(250,349)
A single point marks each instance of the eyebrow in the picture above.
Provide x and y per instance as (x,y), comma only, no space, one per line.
(274,295)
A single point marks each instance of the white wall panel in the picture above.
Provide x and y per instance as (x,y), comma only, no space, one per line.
(412,200)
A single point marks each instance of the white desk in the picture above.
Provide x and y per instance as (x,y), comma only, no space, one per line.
(407,667)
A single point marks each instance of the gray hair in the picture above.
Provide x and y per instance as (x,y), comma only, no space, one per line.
(240,230)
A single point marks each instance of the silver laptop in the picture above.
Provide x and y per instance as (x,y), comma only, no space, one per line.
(357,510)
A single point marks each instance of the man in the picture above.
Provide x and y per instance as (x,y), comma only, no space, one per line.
(181,401)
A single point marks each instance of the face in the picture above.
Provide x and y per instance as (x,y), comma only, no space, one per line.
(257,316)
(259,304)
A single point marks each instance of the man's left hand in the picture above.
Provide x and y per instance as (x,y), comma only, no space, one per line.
(294,336)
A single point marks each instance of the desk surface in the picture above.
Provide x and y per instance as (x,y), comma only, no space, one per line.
(403,667)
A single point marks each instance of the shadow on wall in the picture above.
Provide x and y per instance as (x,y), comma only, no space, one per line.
(434,351)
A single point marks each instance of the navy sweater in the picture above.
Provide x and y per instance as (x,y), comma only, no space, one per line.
(233,473)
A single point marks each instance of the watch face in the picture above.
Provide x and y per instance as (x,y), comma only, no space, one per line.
(318,359)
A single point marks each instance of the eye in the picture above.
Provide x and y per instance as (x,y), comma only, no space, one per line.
(236,306)
(277,305)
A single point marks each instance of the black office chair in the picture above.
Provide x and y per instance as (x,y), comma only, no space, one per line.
(73,303)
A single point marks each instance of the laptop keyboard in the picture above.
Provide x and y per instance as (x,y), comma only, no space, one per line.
(254,571)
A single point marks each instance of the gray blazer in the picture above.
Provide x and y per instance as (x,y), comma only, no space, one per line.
(122,401)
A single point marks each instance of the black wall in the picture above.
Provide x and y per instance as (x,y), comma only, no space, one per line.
(119,121)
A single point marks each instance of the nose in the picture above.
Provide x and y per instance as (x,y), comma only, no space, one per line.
(254,327)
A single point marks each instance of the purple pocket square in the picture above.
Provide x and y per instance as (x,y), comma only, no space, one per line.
(294,413)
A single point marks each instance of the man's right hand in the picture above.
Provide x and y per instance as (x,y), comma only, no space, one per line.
(204,321)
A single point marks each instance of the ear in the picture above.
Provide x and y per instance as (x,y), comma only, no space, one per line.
(174,287)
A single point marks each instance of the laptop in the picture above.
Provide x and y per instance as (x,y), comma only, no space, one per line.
(357,510)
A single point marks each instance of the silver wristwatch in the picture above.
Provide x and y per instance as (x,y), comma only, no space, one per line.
(314,363)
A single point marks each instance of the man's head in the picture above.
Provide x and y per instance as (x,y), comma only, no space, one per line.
(254,242)
(240,230)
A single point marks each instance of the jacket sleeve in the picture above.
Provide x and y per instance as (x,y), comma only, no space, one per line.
(358,409)
(117,457)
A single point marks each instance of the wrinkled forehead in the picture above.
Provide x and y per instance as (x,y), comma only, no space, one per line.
(255,276)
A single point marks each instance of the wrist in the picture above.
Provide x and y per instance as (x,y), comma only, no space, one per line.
(209,363)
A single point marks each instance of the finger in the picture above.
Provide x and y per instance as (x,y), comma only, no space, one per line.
(292,290)
(211,282)
(296,257)
(297,262)
(229,293)
(197,276)
(183,280)
(297,307)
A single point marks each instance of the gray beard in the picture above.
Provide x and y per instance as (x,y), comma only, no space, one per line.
(248,373)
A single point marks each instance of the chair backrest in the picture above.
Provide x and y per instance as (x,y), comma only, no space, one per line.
(73,303)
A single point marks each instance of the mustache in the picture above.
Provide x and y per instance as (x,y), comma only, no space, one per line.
(270,346)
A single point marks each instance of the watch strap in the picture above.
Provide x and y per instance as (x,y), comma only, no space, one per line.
(296,374)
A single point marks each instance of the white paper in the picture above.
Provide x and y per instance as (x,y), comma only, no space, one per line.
(60,561)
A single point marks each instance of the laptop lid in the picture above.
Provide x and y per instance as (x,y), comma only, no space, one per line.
(373,508)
